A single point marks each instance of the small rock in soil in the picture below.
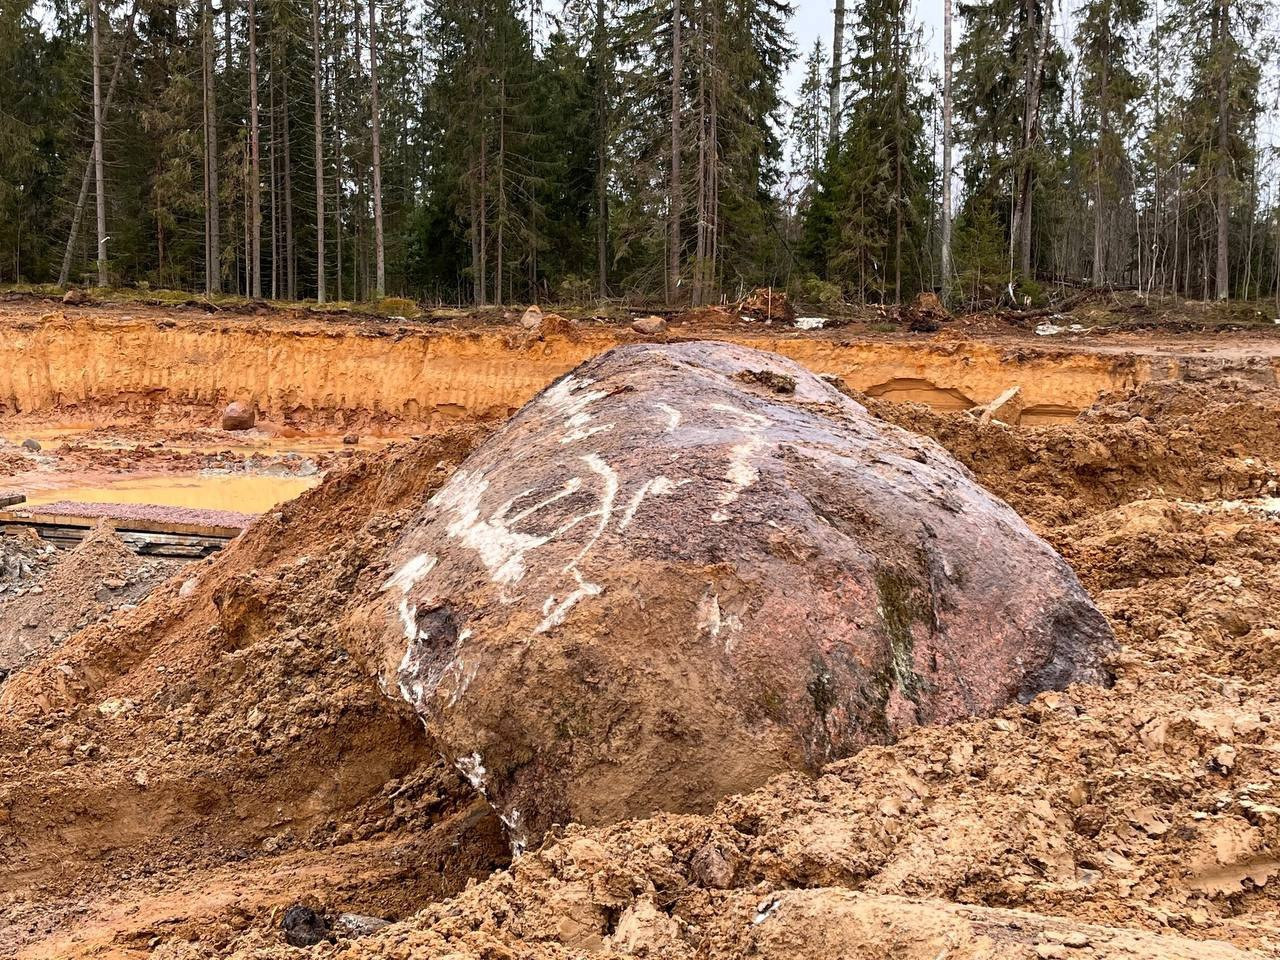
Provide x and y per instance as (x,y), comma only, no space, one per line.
(304,927)
(358,925)
(239,416)
(649,325)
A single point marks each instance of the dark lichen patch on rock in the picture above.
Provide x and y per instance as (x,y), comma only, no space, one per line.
(900,608)
(769,379)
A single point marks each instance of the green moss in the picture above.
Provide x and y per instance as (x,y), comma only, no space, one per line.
(901,606)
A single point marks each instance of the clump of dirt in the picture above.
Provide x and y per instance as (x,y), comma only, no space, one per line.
(84,585)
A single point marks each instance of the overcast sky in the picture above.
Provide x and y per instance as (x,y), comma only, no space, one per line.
(815,18)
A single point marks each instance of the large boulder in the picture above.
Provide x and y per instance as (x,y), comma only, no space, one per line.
(682,569)
(239,416)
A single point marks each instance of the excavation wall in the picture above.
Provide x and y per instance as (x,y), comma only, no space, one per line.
(310,372)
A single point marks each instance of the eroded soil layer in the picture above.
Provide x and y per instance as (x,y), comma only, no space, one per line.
(109,363)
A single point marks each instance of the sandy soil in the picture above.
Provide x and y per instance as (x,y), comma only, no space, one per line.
(328,376)
(174,777)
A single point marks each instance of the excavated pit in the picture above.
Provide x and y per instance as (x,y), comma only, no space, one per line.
(104,365)
(207,750)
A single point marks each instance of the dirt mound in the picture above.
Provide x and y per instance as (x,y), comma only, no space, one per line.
(223,721)
(1163,439)
(728,569)
(1137,821)
(84,585)
(262,767)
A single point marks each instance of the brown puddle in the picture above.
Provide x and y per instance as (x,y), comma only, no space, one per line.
(244,493)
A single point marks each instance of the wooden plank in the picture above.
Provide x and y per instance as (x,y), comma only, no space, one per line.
(34,517)
(9,499)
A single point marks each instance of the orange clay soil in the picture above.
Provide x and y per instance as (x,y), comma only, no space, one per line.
(172,779)
(146,365)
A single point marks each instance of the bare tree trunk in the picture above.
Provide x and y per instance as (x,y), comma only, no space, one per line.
(212,211)
(97,143)
(602,146)
(380,289)
(710,282)
(897,161)
(248,223)
(673,193)
(837,74)
(339,166)
(1222,175)
(271,162)
(499,289)
(319,120)
(946,150)
(255,163)
(700,243)
(90,166)
(1099,250)
(290,252)
(1034,79)
(359,255)
(204,127)
(484,219)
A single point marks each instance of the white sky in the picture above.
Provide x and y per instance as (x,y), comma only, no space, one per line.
(815,18)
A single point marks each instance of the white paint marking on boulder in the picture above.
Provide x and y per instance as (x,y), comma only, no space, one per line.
(709,613)
(585,588)
(501,549)
(658,486)
(741,473)
(408,576)
(561,396)
(673,416)
(472,767)
(409,620)
(712,620)
(581,433)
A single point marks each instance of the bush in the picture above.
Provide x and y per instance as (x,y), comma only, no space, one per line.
(576,290)
(1031,294)
(397,307)
(814,292)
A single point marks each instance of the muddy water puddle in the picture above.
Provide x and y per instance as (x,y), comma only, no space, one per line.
(244,493)
(96,437)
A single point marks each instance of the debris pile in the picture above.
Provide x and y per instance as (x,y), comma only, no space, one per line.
(74,589)
(769,305)
(926,313)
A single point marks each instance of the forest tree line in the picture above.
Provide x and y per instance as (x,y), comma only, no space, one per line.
(493,151)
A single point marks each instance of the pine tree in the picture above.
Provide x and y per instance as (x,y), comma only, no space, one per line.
(869,231)
(1105,38)
(808,128)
